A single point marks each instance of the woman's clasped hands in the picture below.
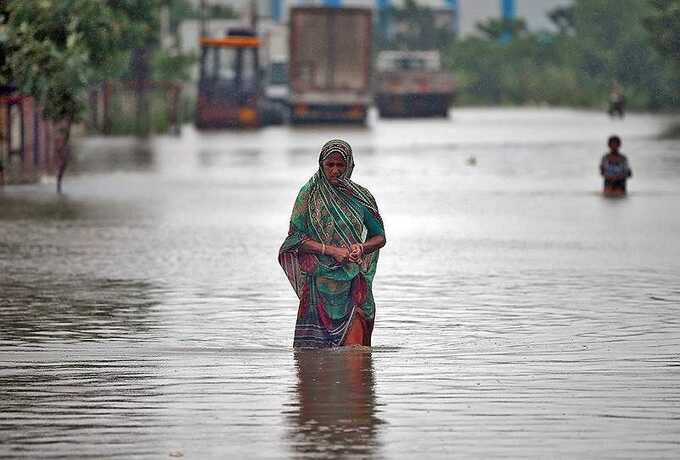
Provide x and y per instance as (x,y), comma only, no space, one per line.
(344,255)
(355,252)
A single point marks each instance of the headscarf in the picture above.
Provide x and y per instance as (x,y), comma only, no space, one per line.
(335,199)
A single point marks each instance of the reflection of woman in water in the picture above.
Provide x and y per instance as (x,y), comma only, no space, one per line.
(335,407)
(331,254)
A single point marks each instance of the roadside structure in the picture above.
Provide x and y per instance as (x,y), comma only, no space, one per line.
(26,139)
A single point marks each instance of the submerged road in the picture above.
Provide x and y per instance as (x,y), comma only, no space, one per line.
(519,313)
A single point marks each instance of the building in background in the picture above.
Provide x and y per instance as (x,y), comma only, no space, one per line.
(534,12)
(464,15)
(27,140)
(272,18)
(467,13)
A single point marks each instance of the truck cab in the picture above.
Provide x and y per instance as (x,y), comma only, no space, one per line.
(412,84)
(229,86)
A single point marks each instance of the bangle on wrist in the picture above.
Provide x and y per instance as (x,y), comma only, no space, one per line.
(323,249)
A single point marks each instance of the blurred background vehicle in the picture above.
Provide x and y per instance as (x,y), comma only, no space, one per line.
(229,87)
(274,59)
(412,84)
(330,64)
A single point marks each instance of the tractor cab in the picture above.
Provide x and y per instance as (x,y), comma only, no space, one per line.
(229,87)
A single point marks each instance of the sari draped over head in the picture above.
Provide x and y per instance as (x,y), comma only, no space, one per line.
(331,294)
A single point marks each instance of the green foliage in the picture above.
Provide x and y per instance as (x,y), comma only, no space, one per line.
(563,18)
(123,120)
(172,67)
(412,28)
(220,12)
(663,24)
(4,51)
(183,9)
(597,43)
(180,10)
(495,29)
(61,47)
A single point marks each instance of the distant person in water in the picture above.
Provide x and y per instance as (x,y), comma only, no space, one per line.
(617,101)
(331,254)
(614,168)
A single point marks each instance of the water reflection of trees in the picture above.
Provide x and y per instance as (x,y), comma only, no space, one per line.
(74,309)
(107,156)
(208,158)
(16,208)
(335,408)
(44,209)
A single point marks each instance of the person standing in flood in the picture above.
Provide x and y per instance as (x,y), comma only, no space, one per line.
(615,169)
(617,101)
(331,254)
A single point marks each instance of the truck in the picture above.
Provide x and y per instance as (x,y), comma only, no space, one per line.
(230,93)
(330,54)
(412,84)
(275,65)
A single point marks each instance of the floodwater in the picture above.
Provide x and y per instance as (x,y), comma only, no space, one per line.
(519,313)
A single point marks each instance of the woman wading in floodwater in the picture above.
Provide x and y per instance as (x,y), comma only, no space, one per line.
(331,254)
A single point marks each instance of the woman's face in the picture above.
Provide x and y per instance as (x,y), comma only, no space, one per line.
(334,167)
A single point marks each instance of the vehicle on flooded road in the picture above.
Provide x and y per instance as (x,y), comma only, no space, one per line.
(229,89)
(412,84)
(330,64)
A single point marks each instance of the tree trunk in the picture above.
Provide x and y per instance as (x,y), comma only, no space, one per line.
(141,75)
(63,148)
(106,108)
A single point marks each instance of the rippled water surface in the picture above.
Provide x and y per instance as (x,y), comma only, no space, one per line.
(520,313)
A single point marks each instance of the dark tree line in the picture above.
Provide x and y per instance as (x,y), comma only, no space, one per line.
(593,46)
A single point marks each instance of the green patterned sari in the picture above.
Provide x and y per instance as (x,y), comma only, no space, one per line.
(331,294)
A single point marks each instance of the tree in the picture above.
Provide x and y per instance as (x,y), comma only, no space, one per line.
(611,44)
(663,23)
(597,42)
(413,28)
(563,18)
(4,51)
(59,48)
(495,29)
